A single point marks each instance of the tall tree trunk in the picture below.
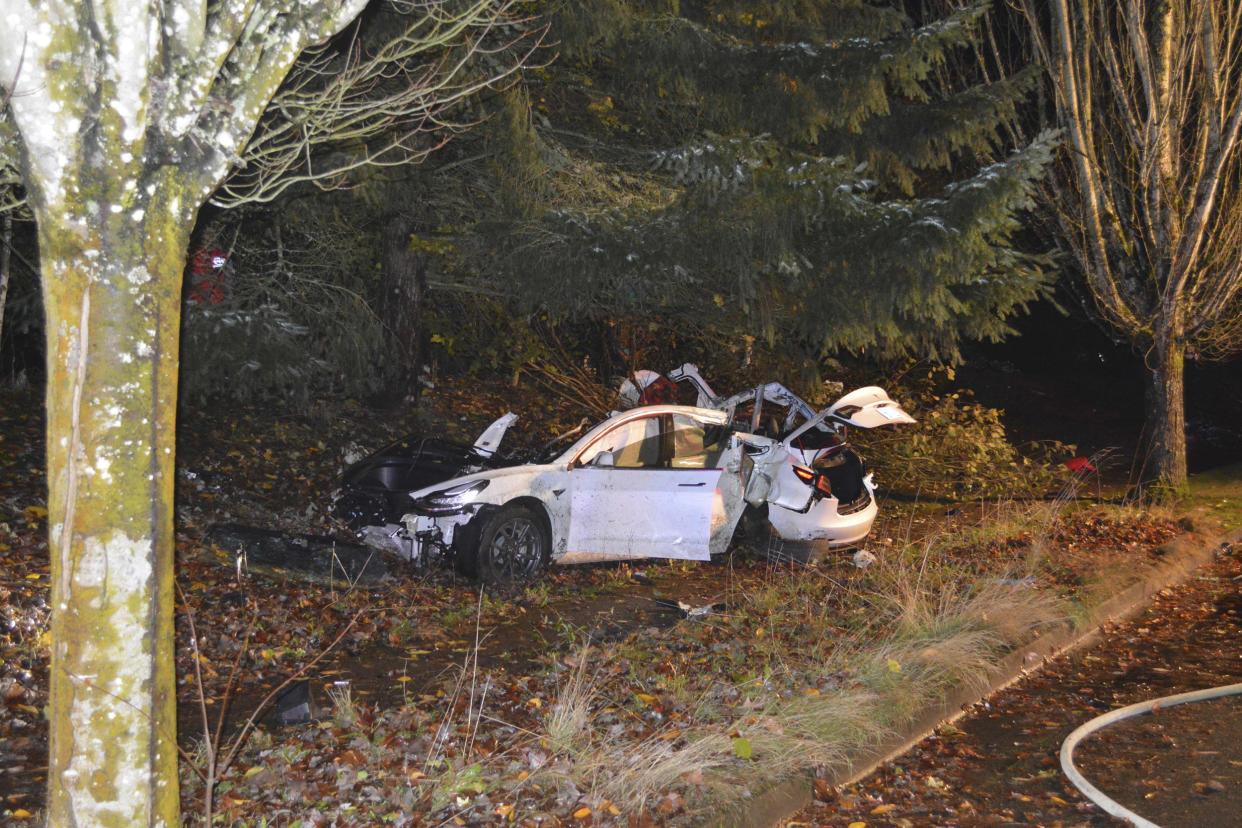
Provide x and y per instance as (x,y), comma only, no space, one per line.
(1166,412)
(112,294)
(403,286)
(129,114)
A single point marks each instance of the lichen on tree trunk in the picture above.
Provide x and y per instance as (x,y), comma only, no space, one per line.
(111,403)
(128,114)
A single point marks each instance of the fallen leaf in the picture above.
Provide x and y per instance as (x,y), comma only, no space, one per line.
(351,757)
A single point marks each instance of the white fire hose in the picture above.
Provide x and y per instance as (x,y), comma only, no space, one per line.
(1091,791)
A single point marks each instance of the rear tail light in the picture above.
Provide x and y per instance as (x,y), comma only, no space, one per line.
(818,482)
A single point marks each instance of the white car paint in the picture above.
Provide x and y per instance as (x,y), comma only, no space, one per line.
(821,522)
(639,485)
(676,519)
(599,510)
(486,445)
(867,407)
(817,522)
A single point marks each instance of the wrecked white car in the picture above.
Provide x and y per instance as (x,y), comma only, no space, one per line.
(818,452)
(667,480)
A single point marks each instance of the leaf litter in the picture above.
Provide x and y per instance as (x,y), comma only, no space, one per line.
(578,700)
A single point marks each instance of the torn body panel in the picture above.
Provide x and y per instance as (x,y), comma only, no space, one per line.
(867,407)
(660,481)
(486,445)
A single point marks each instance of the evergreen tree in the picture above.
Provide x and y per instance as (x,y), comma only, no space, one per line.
(785,169)
(720,171)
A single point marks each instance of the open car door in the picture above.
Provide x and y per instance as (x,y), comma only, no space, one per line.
(648,488)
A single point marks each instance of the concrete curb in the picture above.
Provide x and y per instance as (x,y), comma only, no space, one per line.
(1181,556)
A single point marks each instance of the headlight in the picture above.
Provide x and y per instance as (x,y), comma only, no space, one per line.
(451,500)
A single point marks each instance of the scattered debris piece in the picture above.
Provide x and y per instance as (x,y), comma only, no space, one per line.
(689,610)
(315,558)
(864,559)
(293,704)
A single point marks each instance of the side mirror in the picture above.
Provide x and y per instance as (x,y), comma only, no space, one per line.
(603,460)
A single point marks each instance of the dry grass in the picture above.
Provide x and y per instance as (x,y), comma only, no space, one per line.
(928,632)
(807,669)
(344,710)
(567,724)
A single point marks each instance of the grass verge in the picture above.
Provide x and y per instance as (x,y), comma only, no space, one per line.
(804,669)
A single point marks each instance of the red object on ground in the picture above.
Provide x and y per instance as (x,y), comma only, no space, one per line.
(1079,464)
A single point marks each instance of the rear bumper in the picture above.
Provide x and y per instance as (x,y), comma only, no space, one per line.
(822,526)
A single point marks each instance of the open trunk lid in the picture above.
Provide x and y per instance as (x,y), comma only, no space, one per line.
(867,407)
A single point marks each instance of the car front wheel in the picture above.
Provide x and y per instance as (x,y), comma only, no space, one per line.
(514,545)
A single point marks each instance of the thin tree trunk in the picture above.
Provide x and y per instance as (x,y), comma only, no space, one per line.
(6,246)
(1166,413)
(404,285)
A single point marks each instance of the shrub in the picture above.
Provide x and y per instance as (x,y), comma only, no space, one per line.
(958,449)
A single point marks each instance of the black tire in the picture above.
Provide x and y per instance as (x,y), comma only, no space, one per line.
(514,545)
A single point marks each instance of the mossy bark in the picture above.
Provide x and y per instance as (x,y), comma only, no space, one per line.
(112,292)
(128,116)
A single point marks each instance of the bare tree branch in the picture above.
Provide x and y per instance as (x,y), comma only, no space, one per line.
(1149,200)
(393,106)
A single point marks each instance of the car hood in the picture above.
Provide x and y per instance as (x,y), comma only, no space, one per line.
(489,474)
(486,445)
